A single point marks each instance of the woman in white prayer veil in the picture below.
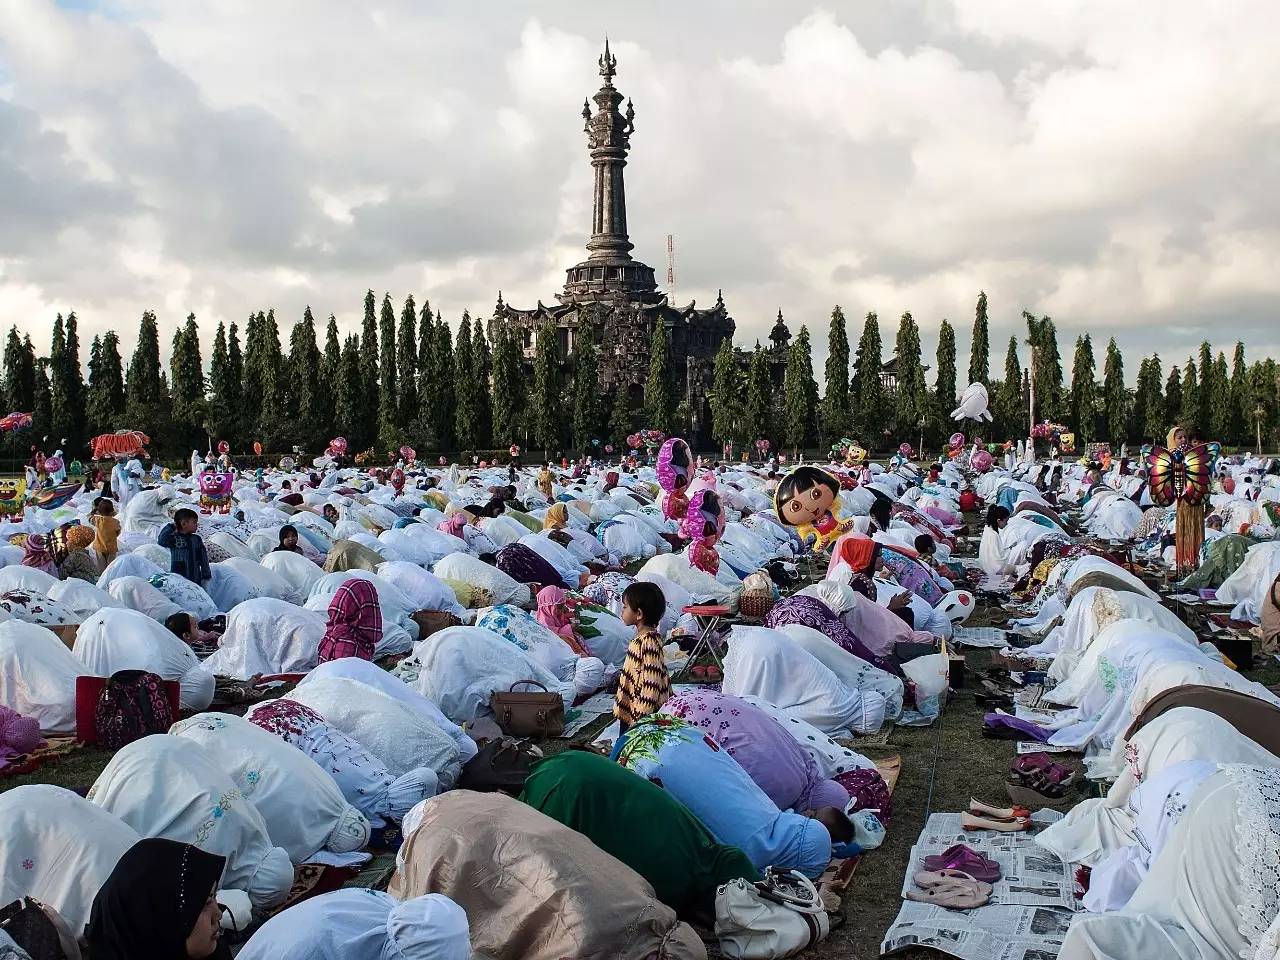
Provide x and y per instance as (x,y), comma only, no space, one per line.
(363,779)
(1094,828)
(303,808)
(770,665)
(147,511)
(363,671)
(294,569)
(114,639)
(165,786)
(27,579)
(267,636)
(364,925)
(1214,890)
(127,565)
(38,676)
(58,848)
(394,732)
(424,590)
(140,596)
(851,670)
(459,668)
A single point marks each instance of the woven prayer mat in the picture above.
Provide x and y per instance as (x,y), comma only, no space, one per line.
(55,748)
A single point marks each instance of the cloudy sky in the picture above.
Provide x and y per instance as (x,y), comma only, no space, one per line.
(1112,165)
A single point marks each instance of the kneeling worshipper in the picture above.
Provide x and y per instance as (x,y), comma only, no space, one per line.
(300,803)
(394,731)
(365,781)
(166,786)
(371,674)
(1211,892)
(525,565)
(1097,829)
(773,758)
(267,636)
(359,924)
(812,612)
(769,665)
(58,848)
(691,767)
(604,802)
(113,639)
(534,889)
(460,668)
(467,574)
(160,902)
(544,647)
(354,626)
(38,676)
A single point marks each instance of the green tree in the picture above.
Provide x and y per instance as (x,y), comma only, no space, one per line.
(235,380)
(146,399)
(366,429)
(1047,363)
(979,345)
(1241,411)
(407,364)
(1220,420)
(835,403)
(464,387)
(106,385)
(350,404)
(1009,412)
(482,360)
(799,393)
(586,386)
(307,407)
(945,385)
(726,397)
(74,384)
(442,374)
(1152,400)
(253,378)
(866,389)
(1204,409)
(659,391)
(389,398)
(223,391)
(42,408)
(546,388)
(1114,397)
(1190,398)
(274,426)
(759,411)
(508,387)
(19,374)
(621,416)
(1172,402)
(330,369)
(61,397)
(911,402)
(186,381)
(1084,390)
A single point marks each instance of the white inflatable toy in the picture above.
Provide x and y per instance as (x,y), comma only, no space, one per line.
(973,404)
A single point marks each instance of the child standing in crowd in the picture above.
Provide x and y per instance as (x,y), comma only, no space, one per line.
(644,685)
(186,547)
(106,529)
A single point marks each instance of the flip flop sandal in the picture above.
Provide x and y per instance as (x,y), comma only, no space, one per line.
(979,808)
(954,893)
(965,859)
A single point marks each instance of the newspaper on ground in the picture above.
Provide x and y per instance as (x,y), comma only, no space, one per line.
(586,713)
(1042,716)
(984,637)
(1031,905)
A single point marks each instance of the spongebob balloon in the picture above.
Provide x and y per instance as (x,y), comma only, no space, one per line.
(13,498)
(973,404)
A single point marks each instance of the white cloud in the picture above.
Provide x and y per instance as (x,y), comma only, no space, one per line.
(1110,166)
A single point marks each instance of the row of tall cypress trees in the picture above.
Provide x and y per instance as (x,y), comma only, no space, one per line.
(407,377)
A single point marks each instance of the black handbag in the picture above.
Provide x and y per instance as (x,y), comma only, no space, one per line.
(500,765)
(28,924)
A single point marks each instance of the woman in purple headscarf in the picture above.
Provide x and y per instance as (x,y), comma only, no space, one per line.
(522,565)
(769,754)
(812,612)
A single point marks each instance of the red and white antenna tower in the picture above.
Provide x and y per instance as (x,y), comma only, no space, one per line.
(671,268)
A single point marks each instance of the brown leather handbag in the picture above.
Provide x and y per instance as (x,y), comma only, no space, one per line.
(528,713)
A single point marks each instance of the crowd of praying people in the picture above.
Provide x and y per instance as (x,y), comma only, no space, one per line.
(333,640)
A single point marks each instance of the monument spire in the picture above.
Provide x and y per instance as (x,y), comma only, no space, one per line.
(609,272)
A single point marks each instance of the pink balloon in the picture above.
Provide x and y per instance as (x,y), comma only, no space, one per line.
(981,461)
(905,449)
(957,440)
(338,445)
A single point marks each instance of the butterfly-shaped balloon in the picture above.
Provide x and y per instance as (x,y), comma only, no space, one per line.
(1179,475)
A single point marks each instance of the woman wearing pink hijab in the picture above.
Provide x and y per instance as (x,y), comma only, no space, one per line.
(554,614)
(454,525)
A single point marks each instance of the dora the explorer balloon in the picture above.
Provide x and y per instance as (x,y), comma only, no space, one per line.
(808,499)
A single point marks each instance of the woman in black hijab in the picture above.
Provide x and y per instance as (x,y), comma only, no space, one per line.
(159,902)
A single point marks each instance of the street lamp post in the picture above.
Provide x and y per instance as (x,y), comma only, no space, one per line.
(1258,414)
